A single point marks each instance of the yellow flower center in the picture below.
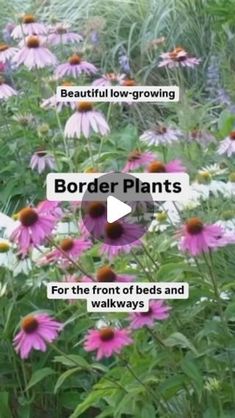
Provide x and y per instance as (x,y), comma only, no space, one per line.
(4,247)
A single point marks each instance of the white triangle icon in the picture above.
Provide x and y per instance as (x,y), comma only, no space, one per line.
(116,209)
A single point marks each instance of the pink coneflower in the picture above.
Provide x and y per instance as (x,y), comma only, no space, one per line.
(53,103)
(85,121)
(52,208)
(201,137)
(75,67)
(36,332)
(41,160)
(67,250)
(227,146)
(198,238)
(109,79)
(34,54)
(106,341)
(174,166)
(157,311)
(120,237)
(34,227)
(7,52)
(94,219)
(106,274)
(29,26)
(60,34)
(137,159)
(6,91)
(161,135)
(178,58)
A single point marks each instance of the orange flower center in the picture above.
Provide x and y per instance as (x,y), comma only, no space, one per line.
(232,136)
(3,47)
(41,153)
(66,83)
(194,226)
(105,274)
(129,83)
(75,59)
(174,54)
(114,230)
(106,334)
(156,167)
(67,244)
(28,216)
(29,19)
(160,129)
(84,106)
(33,42)
(134,156)
(96,209)
(60,30)
(29,324)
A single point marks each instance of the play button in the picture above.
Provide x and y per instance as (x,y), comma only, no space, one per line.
(116,209)
(113,219)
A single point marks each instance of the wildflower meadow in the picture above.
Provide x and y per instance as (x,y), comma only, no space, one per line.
(177,360)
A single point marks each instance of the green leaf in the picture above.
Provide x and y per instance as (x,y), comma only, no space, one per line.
(72,360)
(5,411)
(226,123)
(178,339)
(91,400)
(230,311)
(65,376)
(190,368)
(39,375)
(174,271)
(148,411)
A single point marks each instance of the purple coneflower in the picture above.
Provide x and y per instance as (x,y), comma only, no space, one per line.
(227,146)
(198,238)
(178,58)
(75,67)
(53,103)
(49,207)
(41,160)
(34,54)
(60,34)
(106,341)
(33,227)
(7,52)
(94,219)
(36,332)
(174,166)
(161,135)
(109,79)
(85,121)
(6,91)
(68,249)
(157,311)
(203,138)
(29,26)
(120,237)
(137,159)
